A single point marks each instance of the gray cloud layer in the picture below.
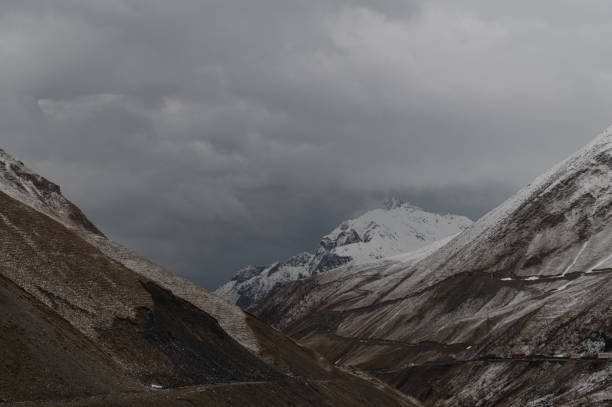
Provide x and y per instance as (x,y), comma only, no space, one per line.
(211,134)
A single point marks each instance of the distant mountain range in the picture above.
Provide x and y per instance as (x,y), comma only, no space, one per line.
(397,228)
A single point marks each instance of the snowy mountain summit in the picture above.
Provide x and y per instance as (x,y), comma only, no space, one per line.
(397,228)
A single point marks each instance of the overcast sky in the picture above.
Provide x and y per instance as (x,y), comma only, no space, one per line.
(212,134)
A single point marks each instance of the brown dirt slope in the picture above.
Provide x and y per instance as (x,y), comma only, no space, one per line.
(294,393)
(43,357)
(147,331)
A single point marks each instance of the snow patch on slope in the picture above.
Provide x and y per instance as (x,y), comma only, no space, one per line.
(422,253)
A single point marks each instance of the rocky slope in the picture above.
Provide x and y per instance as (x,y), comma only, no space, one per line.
(532,276)
(390,231)
(85,321)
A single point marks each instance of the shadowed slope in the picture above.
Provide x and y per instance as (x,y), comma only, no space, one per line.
(43,357)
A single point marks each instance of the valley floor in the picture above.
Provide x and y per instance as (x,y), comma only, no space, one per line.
(297,393)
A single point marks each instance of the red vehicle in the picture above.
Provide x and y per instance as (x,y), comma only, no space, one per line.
(518,356)
(604,356)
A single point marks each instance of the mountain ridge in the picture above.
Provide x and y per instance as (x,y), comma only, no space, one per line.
(397,228)
(532,276)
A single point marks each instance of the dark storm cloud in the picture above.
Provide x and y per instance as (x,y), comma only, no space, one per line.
(212,134)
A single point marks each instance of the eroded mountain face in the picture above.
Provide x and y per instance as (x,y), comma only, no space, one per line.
(532,276)
(381,233)
(86,321)
(22,184)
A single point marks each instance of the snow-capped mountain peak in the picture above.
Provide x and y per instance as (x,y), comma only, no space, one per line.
(397,228)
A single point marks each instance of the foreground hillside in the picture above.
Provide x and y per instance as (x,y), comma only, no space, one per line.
(85,321)
(533,276)
(380,233)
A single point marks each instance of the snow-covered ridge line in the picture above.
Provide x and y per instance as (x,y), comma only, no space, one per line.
(29,188)
(398,228)
(590,164)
